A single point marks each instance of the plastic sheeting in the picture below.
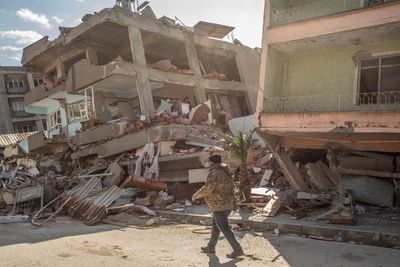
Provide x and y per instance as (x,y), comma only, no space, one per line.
(152,165)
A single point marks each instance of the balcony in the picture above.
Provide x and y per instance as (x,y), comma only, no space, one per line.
(383,101)
(287,13)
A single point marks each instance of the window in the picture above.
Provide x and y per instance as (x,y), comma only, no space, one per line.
(379,80)
(54,121)
(77,112)
(37,81)
(24,127)
(15,84)
(18,106)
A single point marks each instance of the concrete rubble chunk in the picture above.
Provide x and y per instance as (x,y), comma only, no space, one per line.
(115,179)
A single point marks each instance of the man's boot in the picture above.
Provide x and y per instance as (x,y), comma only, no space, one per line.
(208,250)
(236,253)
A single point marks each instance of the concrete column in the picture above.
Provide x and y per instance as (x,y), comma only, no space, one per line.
(263,66)
(143,85)
(31,84)
(195,66)
(60,69)
(91,55)
(5,118)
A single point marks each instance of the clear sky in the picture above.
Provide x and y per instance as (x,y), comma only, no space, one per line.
(23,22)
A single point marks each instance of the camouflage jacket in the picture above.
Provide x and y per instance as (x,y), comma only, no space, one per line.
(218,191)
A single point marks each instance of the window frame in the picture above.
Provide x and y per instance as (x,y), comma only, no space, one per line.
(18,104)
(16,83)
(358,69)
(82,108)
(54,120)
(37,81)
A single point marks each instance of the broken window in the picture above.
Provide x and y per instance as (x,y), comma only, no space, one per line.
(18,106)
(54,120)
(173,97)
(379,80)
(165,53)
(78,112)
(15,84)
(218,64)
(37,81)
(228,105)
(24,127)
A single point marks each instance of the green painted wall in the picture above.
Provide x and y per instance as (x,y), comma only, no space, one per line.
(328,72)
(275,72)
(286,11)
(325,72)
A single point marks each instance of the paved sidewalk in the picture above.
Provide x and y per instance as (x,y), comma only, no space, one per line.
(365,231)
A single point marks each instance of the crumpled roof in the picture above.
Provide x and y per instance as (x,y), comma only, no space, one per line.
(12,139)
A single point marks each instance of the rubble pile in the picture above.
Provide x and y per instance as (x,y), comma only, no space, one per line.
(338,184)
(127,168)
(121,165)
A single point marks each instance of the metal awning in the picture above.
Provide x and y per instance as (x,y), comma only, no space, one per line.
(213,29)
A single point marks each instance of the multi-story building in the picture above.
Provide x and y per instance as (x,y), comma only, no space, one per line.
(330,73)
(119,63)
(14,83)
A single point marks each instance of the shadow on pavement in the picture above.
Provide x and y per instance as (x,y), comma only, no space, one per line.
(214,261)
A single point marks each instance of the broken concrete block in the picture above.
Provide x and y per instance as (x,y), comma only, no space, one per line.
(265,179)
(318,177)
(115,179)
(166,147)
(164,200)
(369,190)
(273,206)
(198,175)
(363,163)
(148,200)
(36,141)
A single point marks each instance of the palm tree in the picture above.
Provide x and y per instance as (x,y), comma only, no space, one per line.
(239,146)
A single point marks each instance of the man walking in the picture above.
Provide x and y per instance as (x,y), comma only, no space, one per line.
(218,192)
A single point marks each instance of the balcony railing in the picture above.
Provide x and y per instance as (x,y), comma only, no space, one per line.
(334,103)
(320,8)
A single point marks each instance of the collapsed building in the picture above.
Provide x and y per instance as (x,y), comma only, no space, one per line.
(119,63)
(331,86)
(122,64)
(128,96)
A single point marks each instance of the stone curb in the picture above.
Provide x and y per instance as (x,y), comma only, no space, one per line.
(330,232)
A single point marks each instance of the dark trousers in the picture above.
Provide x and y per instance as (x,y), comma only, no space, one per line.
(220,224)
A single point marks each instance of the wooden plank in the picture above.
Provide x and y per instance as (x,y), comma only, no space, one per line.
(332,175)
(368,173)
(290,171)
(273,206)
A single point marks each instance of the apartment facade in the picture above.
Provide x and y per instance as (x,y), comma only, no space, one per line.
(15,82)
(118,63)
(330,73)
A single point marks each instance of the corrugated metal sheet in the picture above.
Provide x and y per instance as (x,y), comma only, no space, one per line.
(12,139)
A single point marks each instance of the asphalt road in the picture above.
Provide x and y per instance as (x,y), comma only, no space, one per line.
(66,242)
